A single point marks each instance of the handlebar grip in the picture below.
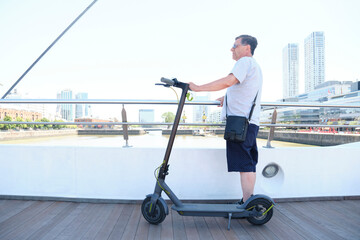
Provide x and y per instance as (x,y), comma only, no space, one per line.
(168,81)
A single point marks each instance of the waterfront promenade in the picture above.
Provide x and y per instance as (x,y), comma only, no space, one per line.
(309,138)
(69,220)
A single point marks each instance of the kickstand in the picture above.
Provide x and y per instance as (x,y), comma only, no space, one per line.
(229,224)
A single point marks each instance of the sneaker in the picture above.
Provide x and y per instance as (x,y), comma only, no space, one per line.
(237,203)
(240,202)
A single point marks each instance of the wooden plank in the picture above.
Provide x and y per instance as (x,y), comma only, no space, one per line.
(53,222)
(13,207)
(104,211)
(62,221)
(154,232)
(190,228)
(122,222)
(334,221)
(88,222)
(167,227)
(255,232)
(6,205)
(335,208)
(332,230)
(282,229)
(300,214)
(350,207)
(31,226)
(143,227)
(236,228)
(133,223)
(110,222)
(214,228)
(343,209)
(14,222)
(178,226)
(286,217)
(229,234)
(75,229)
(202,228)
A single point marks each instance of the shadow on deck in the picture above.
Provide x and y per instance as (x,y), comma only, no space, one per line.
(69,220)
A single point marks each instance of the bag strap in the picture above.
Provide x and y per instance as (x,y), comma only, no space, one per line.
(252,107)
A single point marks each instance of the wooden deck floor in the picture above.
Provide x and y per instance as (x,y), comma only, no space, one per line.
(66,220)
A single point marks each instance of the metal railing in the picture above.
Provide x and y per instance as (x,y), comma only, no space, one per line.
(125,124)
(173,102)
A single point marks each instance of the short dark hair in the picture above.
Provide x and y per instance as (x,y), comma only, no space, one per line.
(248,40)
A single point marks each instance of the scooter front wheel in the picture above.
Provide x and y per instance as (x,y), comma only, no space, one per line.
(157,216)
(263,206)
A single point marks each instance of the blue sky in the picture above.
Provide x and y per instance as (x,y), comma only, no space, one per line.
(119,49)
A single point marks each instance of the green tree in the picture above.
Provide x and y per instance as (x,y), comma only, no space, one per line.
(7,126)
(168,117)
(20,125)
(46,126)
(37,125)
(29,125)
(59,126)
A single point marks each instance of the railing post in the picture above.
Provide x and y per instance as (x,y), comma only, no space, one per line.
(272,130)
(125,127)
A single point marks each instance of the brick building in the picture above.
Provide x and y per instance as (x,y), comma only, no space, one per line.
(14,113)
(93,120)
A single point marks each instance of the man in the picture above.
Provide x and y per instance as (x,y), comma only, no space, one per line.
(243,84)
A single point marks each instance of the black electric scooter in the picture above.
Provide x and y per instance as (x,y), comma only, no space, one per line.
(258,209)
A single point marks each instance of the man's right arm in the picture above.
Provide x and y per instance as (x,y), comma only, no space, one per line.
(216,85)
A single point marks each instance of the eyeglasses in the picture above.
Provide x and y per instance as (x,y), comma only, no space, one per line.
(235,46)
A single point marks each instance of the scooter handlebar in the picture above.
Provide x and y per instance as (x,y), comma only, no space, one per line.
(170,82)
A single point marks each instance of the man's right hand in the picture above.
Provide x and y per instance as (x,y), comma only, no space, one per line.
(221,101)
(193,87)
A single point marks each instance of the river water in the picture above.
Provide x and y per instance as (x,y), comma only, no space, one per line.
(151,140)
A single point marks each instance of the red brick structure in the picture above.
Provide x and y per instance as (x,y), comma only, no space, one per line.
(14,113)
(93,120)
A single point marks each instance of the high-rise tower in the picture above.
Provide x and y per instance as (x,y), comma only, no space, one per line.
(66,110)
(82,110)
(290,70)
(314,60)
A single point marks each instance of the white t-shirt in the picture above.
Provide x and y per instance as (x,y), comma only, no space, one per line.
(241,95)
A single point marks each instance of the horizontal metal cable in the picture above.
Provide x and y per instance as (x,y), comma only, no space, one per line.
(165,102)
(168,124)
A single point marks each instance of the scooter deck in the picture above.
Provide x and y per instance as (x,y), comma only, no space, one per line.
(211,210)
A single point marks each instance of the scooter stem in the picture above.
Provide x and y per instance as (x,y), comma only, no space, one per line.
(164,167)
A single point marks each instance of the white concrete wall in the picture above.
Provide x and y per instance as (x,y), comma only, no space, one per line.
(128,173)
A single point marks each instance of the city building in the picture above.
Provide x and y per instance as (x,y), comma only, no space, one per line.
(329,92)
(82,110)
(347,116)
(15,113)
(25,108)
(215,116)
(323,92)
(290,70)
(314,46)
(201,113)
(146,116)
(66,110)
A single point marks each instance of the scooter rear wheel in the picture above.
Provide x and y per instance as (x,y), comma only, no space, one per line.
(261,205)
(159,212)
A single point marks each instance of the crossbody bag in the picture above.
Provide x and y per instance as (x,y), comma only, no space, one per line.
(236,126)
